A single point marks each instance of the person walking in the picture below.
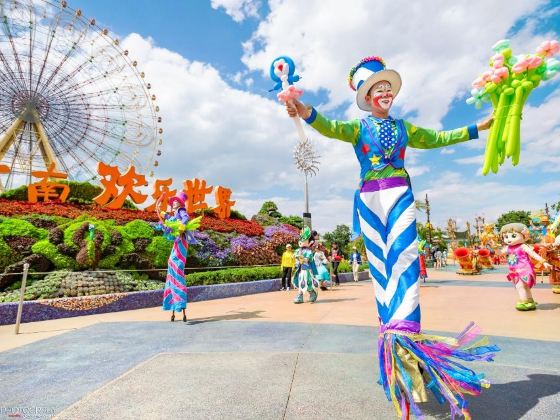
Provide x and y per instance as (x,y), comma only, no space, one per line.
(437,256)
(356,261)
(335,258)
(287,265)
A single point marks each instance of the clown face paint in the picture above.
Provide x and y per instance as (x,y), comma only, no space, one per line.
(381,96)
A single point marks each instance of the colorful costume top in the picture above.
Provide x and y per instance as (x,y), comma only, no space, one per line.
(520,266)
(305,260)
(380,144)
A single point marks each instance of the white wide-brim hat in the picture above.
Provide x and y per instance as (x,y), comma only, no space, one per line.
(366,74)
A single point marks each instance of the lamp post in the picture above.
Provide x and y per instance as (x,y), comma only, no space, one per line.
(479,223)
(307,161)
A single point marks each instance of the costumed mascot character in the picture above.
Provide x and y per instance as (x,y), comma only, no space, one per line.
(321,262)
(176,227)
(521,270)
(305,279)
(384,211)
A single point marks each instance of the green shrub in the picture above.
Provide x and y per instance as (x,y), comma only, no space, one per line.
(344,267)
(296,221)
(138,229)
(237,215)
(48,250)
(18,227)
(7,257)
(233,275)
(111,261)
(159,251)
(100,226)
(19,194)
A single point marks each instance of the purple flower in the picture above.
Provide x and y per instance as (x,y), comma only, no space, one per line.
(244,242)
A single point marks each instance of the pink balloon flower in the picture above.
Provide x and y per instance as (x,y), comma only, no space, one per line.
(527,63)
(548,48)
(291,93)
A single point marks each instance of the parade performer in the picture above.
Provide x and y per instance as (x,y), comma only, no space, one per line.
(305,275)
(521,270)
(178,228)
(384,209)
(356,261)
(321,262)
(422,259)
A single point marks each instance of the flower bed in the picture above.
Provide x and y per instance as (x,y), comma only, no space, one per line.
(10,208)
(41,310)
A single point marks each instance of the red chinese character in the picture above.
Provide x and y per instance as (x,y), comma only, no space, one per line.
(46,189)
(223,195)
(112,179)
(196,191)
(161,189)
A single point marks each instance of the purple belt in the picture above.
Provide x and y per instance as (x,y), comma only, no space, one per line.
(383,184)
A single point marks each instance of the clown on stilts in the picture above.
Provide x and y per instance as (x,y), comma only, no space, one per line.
(176,227)
(384,213)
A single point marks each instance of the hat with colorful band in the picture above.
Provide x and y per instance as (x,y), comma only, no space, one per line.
(368,72)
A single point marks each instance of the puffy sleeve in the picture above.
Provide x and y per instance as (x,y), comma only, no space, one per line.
(347,131)
(182,216)
(425,138)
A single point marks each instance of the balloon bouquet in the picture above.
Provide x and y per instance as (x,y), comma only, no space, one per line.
(507,85)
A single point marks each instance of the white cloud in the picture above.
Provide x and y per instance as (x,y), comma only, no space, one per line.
(447,151)
(239,10)
(244,141)
(439,47)
(240,140)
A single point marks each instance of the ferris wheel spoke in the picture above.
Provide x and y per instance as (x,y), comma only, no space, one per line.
(6,27)
(60,65)
(51,34)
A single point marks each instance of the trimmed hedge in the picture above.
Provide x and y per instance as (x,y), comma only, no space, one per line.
(18,227)
(233,275)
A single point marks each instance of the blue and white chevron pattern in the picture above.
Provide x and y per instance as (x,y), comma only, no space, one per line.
(388,224)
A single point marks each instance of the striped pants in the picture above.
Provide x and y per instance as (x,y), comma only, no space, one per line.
(175,291)
(387,217)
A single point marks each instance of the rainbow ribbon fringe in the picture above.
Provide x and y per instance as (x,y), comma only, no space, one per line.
(411,361)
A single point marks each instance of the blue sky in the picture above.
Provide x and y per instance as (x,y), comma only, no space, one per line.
(208,62)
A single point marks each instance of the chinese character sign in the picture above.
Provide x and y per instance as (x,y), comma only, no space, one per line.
(196,191)
(224,205)
(117,188)
(161,189)
(47,189)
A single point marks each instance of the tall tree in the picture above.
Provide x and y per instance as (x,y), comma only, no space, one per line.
(513,216)
(341,235)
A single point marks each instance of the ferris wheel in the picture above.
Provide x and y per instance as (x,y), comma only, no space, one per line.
(69,94)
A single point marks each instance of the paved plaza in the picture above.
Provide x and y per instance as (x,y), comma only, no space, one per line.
(261,357)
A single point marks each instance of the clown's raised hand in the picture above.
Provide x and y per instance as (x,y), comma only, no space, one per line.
(296,109)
